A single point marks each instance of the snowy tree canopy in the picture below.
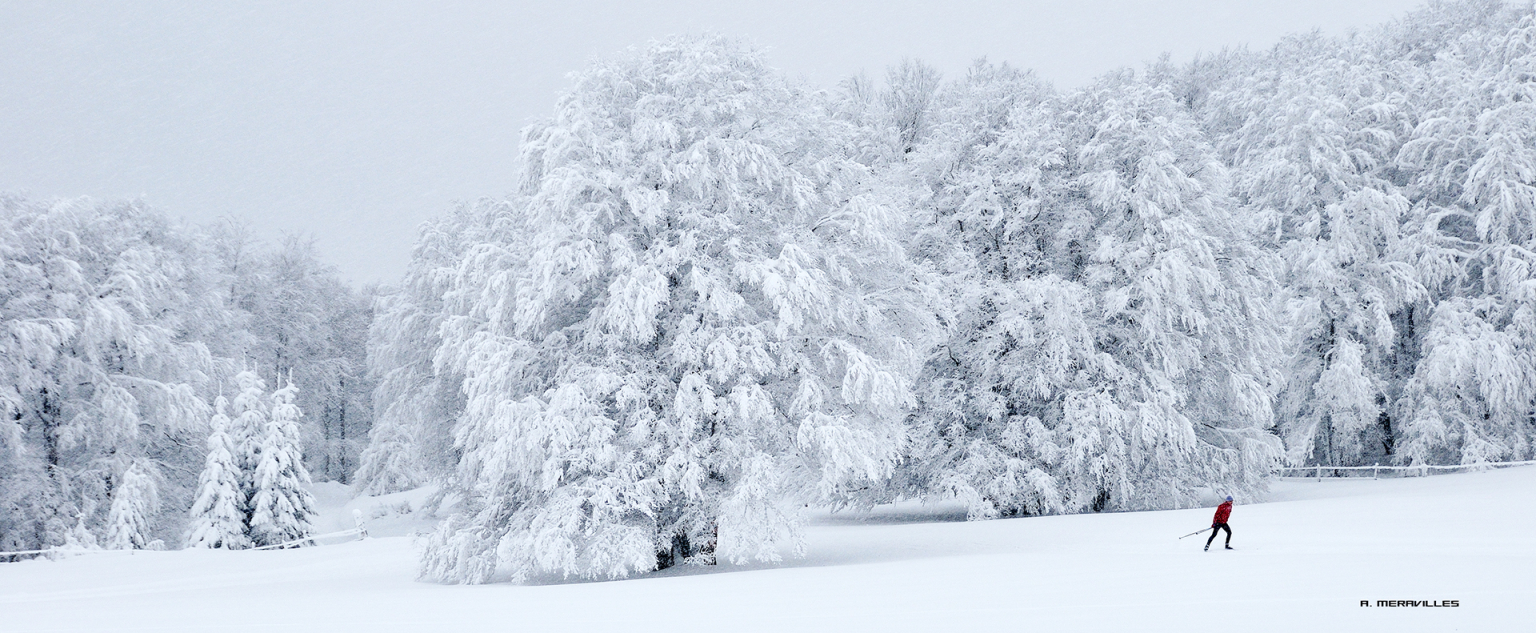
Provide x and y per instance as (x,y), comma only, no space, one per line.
(418,398)
(119,327)
(716,296)
(1110,347)
(1114,298)
(1473,161)
(102,309)
(1389,172)
(1310,159)
(704,329)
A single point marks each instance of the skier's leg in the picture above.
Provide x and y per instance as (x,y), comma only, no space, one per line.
(1228,528)
(1208,541)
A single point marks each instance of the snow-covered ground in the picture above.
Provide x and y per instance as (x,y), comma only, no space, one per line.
(1306,559)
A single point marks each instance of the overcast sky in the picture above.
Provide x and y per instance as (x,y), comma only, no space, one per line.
(355,121)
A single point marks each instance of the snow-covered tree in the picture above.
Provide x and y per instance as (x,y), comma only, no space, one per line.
(281,508)
(987,228)
(302,322)
(389,464)
(218,510)
(706,331)
(1111,350)
(247,433)
(103,310)
(418,399)
(81,537)
(983,179)
(1473,162)
(1319,127)
(1470,398)
(908,99)
(1182,298)
(135,499)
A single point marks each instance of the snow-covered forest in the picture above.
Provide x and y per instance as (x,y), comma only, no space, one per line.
(716,296)
(136,354)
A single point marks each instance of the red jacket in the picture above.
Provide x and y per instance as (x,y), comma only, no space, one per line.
(1222,512)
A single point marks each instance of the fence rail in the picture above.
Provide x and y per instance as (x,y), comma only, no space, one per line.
(1421,470)
(311,538)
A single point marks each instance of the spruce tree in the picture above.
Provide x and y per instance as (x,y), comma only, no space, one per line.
(218,518)
(247,435)
(135,499)
(281,508)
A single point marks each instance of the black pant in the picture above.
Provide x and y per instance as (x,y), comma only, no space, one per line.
(1217,528)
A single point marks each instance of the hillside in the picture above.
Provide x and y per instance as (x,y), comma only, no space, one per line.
(1305,560)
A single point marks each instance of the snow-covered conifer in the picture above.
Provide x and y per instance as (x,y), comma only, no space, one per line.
(218,510)
(80,537)
(247,432)
(281,508)
(135,499)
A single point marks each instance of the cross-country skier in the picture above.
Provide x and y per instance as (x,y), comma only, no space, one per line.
(1220,523)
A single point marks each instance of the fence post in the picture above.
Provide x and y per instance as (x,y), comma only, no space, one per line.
(1319,473)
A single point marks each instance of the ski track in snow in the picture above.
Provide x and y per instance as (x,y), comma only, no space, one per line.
(1305,560)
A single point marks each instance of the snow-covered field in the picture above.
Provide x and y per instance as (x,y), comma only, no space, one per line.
(1306,559)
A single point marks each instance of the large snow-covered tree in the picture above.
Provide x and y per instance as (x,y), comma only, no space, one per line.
(984,187)
(1182,297)
(1112,347)
(706,330)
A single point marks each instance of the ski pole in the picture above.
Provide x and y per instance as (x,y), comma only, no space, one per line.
(1193,533)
